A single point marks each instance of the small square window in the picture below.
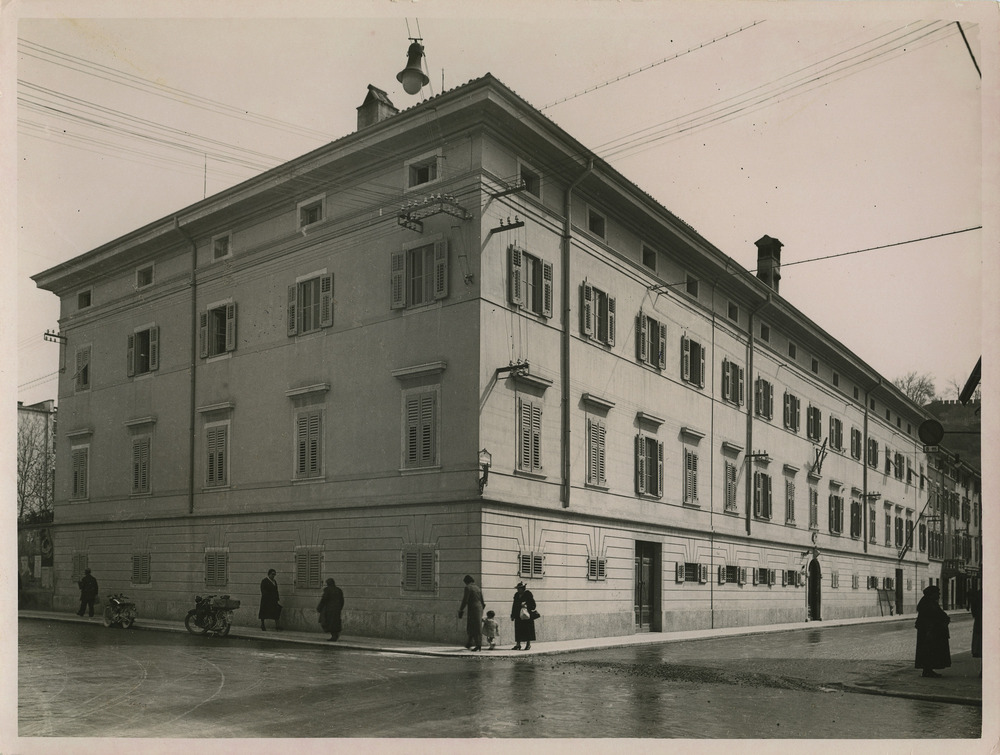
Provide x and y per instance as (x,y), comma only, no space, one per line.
(221,246)
(791,350)
(310,211)
(423,173)
(649,257)
(692,286)
(734,312)
(144,276)
(532,181)
(596,223)
(836,379)
(83,299)
(765,333)
(815,365)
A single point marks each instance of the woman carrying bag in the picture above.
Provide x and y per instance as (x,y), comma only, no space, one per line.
(523,614)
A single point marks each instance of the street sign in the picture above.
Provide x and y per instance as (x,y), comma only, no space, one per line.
(932,449)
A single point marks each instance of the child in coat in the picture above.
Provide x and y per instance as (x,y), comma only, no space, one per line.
(491,630)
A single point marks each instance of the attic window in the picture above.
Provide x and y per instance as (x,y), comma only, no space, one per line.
(649,257)
(423,170)
(144,276)
(532,181)
(311,211)
(83,299)
(596,223)
(692,286)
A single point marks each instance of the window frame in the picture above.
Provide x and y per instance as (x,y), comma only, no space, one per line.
(731,474)
(690,357)
(83,358)
(133,352)
(141,456)
(79,489)
(322,308)
(522,168)
(317,202)
(763,398)
(308,567)
(792,412)
(216,459)
(733,390)
(433,161)
(89,294)
(529,435)
(689,469)
(762,495)
(140,274)
(644,474)
(836,514)
(402,273)
(789,500)
(228,237)
(420,443)
(531,564)
(418,564)
(530,284)
(216,561)
(305,456)
(597,429)
(142,572)
(598,314)
(651,332)
(208,345)
(595,217)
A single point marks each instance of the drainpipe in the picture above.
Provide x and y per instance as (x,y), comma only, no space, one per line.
(194,359)
(864,466)
(565,340)
(751,396)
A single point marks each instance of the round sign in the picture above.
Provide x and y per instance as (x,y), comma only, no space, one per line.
(930,432)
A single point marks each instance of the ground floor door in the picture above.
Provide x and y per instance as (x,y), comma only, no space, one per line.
(814,593)
(647,587)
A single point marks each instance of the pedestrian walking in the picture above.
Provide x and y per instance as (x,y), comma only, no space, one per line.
(491,629)
(472,599)
(329,608)
(932,622)
(270,608)
(88,592)
(523,614)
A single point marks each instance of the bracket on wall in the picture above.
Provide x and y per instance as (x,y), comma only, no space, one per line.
(513,369)
(412,214)
(54,337)
(518,185)
(508,226)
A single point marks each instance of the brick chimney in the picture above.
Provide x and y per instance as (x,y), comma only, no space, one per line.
(769,261)
(376,107)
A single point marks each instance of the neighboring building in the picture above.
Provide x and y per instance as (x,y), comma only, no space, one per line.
(36,457)
(307,371)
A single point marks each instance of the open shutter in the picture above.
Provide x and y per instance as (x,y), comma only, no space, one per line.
(722,574)
(740,397)
(755,573)
(640,463)
(685,358)
(440,269)
(587,309)
(326,300)
(397,280)
(703,573)
(536,438)
(427,440)
(788,410)
(661,357)
(727,386)
(130,355)
(797,405)
(679,571)
(293,321)
(641,325)
(659,468)
(701,359)
(591,451)
(612,317)
(546,289)
(231,326)
(154,348)
(524,452)
(516,274)
(203,334)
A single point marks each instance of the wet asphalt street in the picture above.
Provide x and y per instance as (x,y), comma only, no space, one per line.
(84,680)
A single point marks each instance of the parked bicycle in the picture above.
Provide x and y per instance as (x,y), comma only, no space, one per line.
(211,615)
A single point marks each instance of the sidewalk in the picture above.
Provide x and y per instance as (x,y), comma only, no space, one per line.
(958,685)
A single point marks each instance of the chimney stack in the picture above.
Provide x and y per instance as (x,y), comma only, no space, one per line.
(769,261)
(376,107)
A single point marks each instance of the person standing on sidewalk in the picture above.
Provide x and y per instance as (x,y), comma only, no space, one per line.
(523,614)
(472,599)
(270,608)
(329,608)
(88,592)
(933,651)
(976,608)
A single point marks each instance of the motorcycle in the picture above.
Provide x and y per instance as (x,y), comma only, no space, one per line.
(119,610)
(211,615)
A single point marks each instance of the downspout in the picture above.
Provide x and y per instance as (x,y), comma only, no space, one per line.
(864,466)
(751,394)
(565,340)
(194,360)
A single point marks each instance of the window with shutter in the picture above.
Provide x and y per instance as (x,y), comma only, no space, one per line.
(690,477)
(763,398)
(692,362)
(531,565)
(142,351)
(140,464)
(813,508)
(216,568)
(309,444)
(732,382)
(217,455)
(649,466)
(762,495)
(596,435)
(140,569)
(596,569)
(529,454)
(81,377)
(789,501)
(679,572)
(80,459)
(308,568)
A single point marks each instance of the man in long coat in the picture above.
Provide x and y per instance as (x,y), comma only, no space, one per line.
(472,599)
(270,608)
(329,608)
(88,592)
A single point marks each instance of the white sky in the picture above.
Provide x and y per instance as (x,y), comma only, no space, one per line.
(876,149)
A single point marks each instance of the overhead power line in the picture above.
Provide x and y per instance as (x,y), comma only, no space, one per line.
(650,65)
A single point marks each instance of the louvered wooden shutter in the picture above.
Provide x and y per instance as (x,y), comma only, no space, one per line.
(397,280)
(679,571)
(722,574)
(547,284)
(685,358)
(757,495)
(741,577)
(292,310)
(203,334)
(587,309)
(690,476)
(701,362)
(640,463)
(702,573)
(427,428)
(140,465)
(727,385)
(612,318)
(524,456)
(81,378)
(130,355)
(231,326)
(440,269)
(640,338)
(326,300)
(154,348)
(661,357)
(80,472)
(426,577)
(601,453)
(515,273)
(740,396)
(659,468)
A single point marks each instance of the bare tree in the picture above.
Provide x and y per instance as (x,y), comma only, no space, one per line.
(34,470)
(918,388)
(956,387)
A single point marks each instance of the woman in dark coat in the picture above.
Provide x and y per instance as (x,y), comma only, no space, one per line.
(472,599)
(329,608)
(932,633)
(976,607)
(270,608)
(524,629)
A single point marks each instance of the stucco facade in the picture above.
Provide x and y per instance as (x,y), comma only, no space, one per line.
(300,373)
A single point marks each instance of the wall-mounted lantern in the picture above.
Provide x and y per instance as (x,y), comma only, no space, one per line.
(485,460)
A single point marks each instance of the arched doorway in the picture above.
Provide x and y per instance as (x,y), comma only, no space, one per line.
(814,594)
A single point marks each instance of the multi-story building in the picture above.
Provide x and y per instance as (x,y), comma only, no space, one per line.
(954,528)
(457,341)
(36,458)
